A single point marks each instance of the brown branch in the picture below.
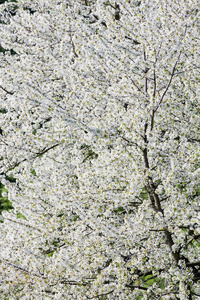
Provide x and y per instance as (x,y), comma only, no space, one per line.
(101,295)
(155,200)
(117,12)
(5,90)
(164,93)
(26,225)
(130,142)
(24,270)
(145,75)
(73,282)
(3,142)
(193,264)
(45,150)
(136,287)
(37,154)
(193,293)
(145,150)
(73,46)
(133,82)
(154,81)
(168,85)
(157,230)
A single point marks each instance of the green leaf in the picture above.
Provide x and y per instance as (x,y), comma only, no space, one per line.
(75,218)
(33,172)
(20,216)
(106,3)
(50,254)
(119,209)
(144,194)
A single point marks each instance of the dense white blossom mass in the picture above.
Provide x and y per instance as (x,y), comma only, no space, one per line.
(100,128)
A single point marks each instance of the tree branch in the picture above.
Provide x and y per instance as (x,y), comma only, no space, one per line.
(164,93)
(5,90)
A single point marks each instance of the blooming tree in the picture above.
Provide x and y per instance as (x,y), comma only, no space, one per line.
(100,123)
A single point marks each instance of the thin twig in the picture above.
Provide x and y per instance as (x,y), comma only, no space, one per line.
(73,46)
(5,90)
